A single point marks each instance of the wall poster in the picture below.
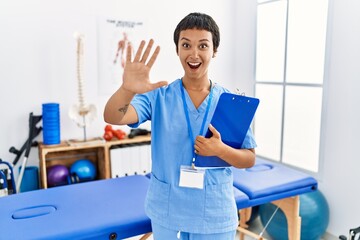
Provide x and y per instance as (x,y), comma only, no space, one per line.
(114,35)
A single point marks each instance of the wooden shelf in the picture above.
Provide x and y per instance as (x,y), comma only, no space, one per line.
(66,153)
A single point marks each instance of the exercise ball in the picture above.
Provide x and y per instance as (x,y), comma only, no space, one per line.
(314,213)
(57,175)
(82,170)
(254,214)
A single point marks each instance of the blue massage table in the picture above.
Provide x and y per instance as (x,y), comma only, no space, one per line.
(114,208)
(271,182)
(103,209)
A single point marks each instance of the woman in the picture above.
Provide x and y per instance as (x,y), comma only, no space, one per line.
(182,202)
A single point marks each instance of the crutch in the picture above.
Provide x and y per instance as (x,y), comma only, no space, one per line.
(33,120)
(17,152)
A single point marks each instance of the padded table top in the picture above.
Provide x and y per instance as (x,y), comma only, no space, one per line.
(96,209)
(267,181)
(99,207)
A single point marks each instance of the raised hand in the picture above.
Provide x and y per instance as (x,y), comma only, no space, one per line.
(136,72)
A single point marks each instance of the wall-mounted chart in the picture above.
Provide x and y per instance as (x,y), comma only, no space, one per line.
(114,35)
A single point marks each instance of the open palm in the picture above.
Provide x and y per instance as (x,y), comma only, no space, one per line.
(136,72)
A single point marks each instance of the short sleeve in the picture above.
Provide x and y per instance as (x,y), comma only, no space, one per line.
(249,141)
(142,105)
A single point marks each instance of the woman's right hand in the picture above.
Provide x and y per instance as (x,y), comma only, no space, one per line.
(136,72)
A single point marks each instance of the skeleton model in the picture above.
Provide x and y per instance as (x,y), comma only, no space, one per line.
(82,113)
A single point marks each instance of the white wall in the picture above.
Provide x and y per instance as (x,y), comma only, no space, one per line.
(37,65)
(341,163)
(38,56)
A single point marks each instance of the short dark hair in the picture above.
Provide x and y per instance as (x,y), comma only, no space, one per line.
(199,21)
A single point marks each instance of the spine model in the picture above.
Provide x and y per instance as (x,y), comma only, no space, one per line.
(82,113)
(80,64)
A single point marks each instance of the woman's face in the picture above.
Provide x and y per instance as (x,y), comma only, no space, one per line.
(195,50)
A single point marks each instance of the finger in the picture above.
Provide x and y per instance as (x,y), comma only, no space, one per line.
(199,138)
(197,149)
(153,57)
(129,53)
(199,145)
(139,51)
(215,133)
(147,51)
(158,85)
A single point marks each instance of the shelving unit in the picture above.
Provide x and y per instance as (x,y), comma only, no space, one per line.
(98,152)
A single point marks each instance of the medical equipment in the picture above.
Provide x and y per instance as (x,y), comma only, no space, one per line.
(57,175)
(102,209)
(82,114)
(5,181)
(266,182)
(82,170)
(114,208)
(33,132)
(354,234)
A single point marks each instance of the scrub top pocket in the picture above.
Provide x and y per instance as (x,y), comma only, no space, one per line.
(157,198)
(220,204)
(189,202)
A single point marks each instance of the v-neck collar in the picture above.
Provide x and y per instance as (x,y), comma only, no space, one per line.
(202,107)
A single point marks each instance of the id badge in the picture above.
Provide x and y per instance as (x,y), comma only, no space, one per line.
(191,178)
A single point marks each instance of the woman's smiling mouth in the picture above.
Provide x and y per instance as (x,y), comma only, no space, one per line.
(194,65)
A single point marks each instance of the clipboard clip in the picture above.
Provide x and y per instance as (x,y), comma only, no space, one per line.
(237,92)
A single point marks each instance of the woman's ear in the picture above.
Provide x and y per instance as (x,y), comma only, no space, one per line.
(214,54)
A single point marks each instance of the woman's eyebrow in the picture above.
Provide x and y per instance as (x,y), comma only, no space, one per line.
(201,40)
(184,38)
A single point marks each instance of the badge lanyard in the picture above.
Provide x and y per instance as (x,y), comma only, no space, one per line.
(188,118)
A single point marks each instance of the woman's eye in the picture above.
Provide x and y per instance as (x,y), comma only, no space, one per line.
(185,45)
(203,46)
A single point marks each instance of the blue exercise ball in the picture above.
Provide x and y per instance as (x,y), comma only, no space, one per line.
(314,213)
(254,214)
(82,170)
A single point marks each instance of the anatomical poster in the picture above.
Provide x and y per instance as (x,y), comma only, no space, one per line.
(114,35)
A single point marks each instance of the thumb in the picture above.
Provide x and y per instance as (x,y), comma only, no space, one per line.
(215,133)
(158,84)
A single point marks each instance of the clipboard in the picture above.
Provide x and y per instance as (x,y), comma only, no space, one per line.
(232,118)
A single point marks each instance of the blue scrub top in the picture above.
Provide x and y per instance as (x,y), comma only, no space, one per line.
(208,210)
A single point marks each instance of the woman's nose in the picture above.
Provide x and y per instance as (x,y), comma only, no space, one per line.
(195,53)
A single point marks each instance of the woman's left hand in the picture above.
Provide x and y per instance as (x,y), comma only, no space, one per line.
(212,146)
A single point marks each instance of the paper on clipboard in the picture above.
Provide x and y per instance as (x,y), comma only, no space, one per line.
(232,118)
